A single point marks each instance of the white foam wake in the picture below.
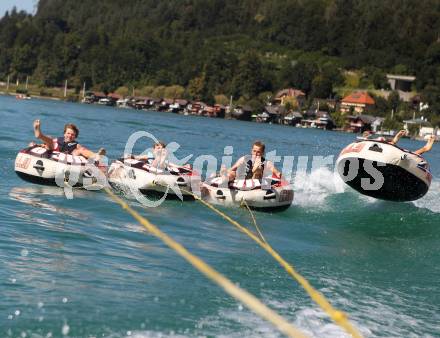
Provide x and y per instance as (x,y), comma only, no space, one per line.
(431,200)
(312,188)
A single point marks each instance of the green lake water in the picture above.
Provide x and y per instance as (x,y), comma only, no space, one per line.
(84,268)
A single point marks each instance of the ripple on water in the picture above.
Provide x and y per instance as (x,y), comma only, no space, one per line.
(101,274)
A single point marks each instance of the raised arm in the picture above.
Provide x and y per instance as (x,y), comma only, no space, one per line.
(232,172)
(398,136)
(239,162)
(426,147)
(39,135)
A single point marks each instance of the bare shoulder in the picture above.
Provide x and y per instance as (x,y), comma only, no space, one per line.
(269,163)
(240,160)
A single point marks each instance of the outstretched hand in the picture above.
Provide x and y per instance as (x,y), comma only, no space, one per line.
(402,132)
(398,136)
(431,139)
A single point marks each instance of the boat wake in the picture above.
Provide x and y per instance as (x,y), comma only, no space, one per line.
(431,200)
(313,188)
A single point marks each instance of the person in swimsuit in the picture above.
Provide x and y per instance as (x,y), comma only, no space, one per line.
(252,166)
(66,143)
(398,136)
(157,157)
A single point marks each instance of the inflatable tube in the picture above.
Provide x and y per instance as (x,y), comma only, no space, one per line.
(269,194)
(129,173)
(384,171)
(41,166)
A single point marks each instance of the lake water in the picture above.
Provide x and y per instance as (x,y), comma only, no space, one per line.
(84,268)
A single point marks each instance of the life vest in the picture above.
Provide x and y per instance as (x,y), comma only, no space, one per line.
(250,165)
(64,147)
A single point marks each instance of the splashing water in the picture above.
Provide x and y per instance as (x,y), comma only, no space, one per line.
(312,189)
(431,200)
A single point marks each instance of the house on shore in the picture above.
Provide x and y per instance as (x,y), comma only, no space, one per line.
(425,129)
(196,108)
(242,113)
(357,103)
(220,111)
(113,97)
(376,125)
(419,123)
(94,97)
(284,95)
(330,103)
(402,84)
(164,104)
(317,119)
(272,114)
(141,102)
(359,123)
(426,132)
(178,105)
(293,118)
(263,117)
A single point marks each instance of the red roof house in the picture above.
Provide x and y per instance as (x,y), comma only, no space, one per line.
(358,102)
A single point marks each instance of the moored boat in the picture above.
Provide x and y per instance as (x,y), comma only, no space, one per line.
(22,97)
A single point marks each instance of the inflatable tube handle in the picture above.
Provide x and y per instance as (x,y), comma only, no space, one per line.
(39,167)
(219,195)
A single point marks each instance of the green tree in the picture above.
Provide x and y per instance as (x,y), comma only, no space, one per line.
(248,80)
(159,92)
(339,119)
(49,72)
(221,99)
(146,91)
(394,100)
(218,70)
(322,87)
(196,87)
(431,95)
(174,92)
(391,124)
(23,61)
(123,91)
(242,47)
(303,74)
(381,107)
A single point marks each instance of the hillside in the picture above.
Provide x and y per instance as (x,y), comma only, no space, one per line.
(241,48)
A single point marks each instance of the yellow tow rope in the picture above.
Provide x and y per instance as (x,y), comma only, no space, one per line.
(254,220)
(337,316)
(243,296)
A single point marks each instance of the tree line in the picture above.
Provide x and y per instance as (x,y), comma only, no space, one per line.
(246,49)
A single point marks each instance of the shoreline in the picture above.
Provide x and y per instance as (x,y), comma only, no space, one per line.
(59,99)
(33,96)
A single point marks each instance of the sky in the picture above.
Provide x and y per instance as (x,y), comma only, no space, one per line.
(27,5)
